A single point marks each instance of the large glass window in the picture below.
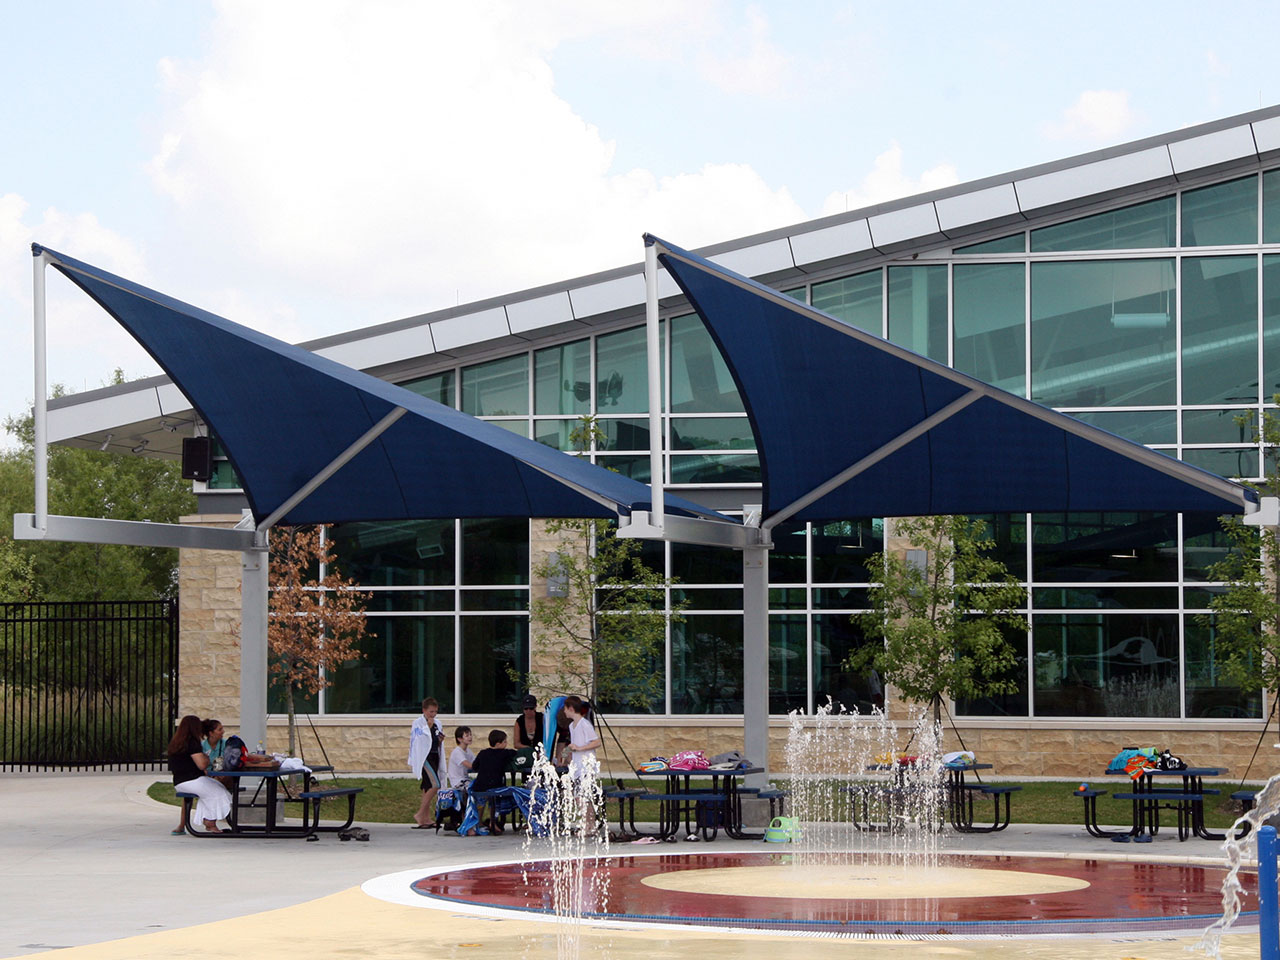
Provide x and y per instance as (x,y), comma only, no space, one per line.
(437,387)
(706,664)
(835,637)
(918,309)
(622,364)
(1102,333)
(990,323)
(841,549)
(1209,695)
(495,551)
(1270,327)
(1012,704)
(1014,243)
(788,663)
(711,433)
(1142,226)
(405,660)
(499,388)
(700,379)
(1140,426)
(1271,206)
(855,300)
(1104,547)
(1106,665)
(1225,213)
(403,553)
(562,379)
(495,652)
(1219,329)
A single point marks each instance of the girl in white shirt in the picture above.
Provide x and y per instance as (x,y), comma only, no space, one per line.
(584,770)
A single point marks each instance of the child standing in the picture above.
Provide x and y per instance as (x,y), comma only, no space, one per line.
(426,741)
(584,770)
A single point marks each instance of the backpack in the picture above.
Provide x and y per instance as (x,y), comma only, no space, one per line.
(233,753)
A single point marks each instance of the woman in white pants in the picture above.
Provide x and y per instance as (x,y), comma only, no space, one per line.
(188,763)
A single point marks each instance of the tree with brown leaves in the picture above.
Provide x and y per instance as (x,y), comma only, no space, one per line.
(314,623)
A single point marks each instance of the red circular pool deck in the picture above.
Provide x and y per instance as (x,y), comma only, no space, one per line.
(1121,896)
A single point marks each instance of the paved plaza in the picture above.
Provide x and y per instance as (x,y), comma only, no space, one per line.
(92,873)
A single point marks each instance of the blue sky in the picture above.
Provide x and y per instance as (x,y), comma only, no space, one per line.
(312,167)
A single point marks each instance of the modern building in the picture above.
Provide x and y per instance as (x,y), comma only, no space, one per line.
(1136,288)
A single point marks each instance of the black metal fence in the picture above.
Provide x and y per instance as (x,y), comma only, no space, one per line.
(90,685)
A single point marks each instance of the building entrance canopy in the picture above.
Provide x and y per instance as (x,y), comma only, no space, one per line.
(850,425)
(287,416)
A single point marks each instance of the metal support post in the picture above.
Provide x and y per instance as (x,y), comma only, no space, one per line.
(40,412)
(253,647)
(657,475)
(1268,908)
(755,656)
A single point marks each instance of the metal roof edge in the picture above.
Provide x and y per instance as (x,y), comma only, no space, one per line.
(739,243)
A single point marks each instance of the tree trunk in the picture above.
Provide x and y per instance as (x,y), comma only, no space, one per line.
(937,711)
(293,721)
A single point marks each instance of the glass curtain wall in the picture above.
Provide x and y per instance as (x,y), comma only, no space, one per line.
(1158,321)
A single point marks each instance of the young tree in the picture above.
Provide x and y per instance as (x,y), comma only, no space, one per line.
(1246,616)
(940,623)
(89,483)
(604,623)
(314,623)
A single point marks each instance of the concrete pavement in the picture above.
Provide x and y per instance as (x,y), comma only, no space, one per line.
(88,860)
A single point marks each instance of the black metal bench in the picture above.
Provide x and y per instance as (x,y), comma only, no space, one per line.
(995,792)
(1090,797)
(1147,806)
(626,798)
(315,797)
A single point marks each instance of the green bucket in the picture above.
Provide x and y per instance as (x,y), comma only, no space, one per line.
(782,830)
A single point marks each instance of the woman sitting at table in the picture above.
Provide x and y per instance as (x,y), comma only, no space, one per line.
(528,729)
(188,762)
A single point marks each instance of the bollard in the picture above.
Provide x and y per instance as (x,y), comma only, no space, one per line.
(1268,915)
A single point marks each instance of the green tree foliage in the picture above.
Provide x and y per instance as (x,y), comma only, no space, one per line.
(941,623)
(606,624)
(1246,616)
(88,483)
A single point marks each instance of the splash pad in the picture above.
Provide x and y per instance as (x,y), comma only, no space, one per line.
(966,897)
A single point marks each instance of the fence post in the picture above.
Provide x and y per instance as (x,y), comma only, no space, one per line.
(1268,915)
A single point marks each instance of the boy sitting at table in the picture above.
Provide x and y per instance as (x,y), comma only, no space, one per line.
(490,768)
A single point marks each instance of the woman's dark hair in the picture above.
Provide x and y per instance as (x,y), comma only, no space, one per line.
(208,727)
(189,728)
(578,706)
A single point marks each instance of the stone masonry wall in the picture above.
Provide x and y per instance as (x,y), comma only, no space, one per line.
(208,625)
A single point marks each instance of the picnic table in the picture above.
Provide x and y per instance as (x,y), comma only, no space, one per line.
(1148,799)
(269,782)
(700,809)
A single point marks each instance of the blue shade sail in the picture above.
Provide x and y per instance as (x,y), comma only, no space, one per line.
(283,414)
(823,395)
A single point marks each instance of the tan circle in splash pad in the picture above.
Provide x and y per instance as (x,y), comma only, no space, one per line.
(865,882)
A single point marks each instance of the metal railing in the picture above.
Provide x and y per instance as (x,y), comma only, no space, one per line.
(87,685)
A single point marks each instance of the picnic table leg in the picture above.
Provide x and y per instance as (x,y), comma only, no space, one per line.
(1091,821)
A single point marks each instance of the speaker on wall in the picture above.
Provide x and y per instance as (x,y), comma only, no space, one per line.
(197,458)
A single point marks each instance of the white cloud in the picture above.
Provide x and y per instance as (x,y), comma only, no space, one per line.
(1096,115)
(402,154)
(887,181)
(84,343)
(761,70)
